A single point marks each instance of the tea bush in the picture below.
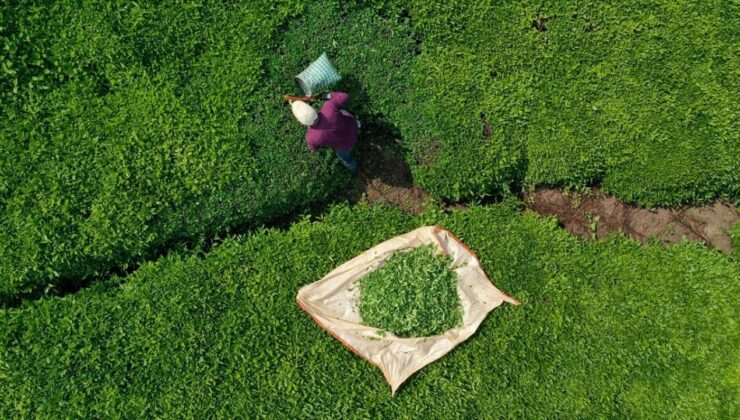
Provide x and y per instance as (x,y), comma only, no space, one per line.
(374,55)
(149,124)
(606,329)
(625,94)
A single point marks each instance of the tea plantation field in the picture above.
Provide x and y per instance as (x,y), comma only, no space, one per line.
(135,135)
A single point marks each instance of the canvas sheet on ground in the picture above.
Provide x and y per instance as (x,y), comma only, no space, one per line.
(331,302)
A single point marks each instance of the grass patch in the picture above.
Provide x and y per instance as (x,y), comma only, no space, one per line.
(414,294)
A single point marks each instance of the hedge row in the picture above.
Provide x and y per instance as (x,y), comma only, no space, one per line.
(143,125)
(638,96)
(606,329)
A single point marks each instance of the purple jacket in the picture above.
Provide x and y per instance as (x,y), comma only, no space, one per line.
(333,128)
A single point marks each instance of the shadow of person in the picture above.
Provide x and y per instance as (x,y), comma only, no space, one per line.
(379,148)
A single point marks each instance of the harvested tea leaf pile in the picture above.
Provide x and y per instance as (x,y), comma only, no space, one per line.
(414,294)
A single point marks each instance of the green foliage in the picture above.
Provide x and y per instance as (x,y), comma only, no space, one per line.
(606,329)
(467,113)
(735,235)
(414,294)
(159,123)
(571,93)
(374,56)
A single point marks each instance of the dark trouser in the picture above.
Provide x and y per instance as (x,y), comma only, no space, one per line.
(345,157)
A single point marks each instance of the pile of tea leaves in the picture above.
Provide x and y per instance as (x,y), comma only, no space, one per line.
(414,294)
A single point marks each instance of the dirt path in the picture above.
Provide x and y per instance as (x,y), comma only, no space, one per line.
(596,215)
(385,177)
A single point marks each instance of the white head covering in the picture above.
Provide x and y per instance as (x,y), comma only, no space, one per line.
(304,113)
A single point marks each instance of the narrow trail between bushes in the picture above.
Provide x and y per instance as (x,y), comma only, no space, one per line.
(385,177)
(596,215)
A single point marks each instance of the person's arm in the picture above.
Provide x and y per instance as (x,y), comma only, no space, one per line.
(313,140)
(336,100)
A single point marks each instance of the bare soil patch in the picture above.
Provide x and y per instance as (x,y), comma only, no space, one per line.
(430,154)
(596,215)
(385,177)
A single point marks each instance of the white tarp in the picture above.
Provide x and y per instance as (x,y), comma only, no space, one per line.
(331,303)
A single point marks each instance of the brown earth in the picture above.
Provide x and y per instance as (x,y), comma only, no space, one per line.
(595,215)
(385,177)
